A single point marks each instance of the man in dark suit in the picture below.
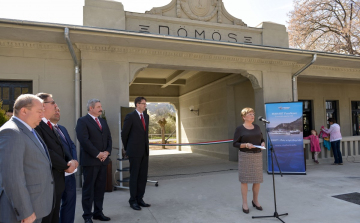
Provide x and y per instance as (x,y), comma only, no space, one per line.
(61,160)
(135,138)
(68,199)
(26,183)
(94,136)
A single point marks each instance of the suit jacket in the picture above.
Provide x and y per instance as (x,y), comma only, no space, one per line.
(68,144)
(133,135)
(26,182)
(93,140)
(59,157)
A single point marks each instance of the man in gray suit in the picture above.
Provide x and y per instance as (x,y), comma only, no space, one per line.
(26,183)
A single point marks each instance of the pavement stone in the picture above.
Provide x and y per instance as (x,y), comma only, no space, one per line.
(187,195)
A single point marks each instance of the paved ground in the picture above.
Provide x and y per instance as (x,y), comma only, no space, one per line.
(186,194)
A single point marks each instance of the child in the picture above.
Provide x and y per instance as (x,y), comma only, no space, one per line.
(314,145)
(325,137)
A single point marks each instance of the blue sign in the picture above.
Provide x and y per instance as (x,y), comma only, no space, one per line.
(286,134)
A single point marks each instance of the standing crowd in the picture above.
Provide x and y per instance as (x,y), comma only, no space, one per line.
(38,160)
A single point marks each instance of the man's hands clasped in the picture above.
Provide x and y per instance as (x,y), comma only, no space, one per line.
(103,155)
(72,164)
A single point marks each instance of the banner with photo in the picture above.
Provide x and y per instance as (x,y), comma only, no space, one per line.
(286,134)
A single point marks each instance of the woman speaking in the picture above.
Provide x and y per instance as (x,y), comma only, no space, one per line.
(246,137)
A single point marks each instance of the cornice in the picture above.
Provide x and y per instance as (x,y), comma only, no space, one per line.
(338,69)
(34,45)
(186,55)
(165,53)
(199,56)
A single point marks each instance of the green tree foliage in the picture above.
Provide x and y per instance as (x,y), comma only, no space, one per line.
(3,116)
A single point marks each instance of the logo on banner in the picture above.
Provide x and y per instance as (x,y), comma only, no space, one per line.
(285,108)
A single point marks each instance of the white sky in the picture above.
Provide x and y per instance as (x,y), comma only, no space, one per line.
(70,11)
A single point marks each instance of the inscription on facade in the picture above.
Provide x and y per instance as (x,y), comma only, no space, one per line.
(182,31)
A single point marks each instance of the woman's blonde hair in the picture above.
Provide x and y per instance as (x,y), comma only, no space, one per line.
(246,111)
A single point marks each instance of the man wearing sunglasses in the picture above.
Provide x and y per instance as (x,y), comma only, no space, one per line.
(61,160)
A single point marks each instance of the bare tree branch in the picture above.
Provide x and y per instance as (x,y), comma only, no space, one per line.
(327,25)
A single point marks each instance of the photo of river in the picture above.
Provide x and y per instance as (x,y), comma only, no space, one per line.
(286,134)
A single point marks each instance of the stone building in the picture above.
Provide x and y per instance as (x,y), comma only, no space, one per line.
(188,53)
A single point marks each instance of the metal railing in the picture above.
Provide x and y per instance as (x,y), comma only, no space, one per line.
(349,146)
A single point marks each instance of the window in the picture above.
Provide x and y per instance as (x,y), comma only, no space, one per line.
(355,110)
(307,117)
(10,90)
(331,111)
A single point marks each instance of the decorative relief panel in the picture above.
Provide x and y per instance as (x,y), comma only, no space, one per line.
(201,10)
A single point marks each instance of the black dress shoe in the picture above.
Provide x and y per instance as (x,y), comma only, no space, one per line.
(88,220)
(135,206)
(246,211)
(143,204)
(101,217)
(257,207)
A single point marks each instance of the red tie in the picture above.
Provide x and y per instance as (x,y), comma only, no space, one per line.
(143,121)
(49,124)
(97,121)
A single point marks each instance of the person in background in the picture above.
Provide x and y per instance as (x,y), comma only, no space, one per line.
(246,137)
(314,145)
(326,138)
(335,138)
(68,199)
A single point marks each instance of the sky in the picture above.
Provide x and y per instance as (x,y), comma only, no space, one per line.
(71,12)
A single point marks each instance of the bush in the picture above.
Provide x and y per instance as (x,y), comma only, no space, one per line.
(3,116)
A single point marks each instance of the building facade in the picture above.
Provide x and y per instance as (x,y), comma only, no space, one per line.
(188,53)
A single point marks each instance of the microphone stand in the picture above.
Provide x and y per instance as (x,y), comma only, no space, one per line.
(276,215)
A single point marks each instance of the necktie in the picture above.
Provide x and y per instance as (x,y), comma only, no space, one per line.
(97,121)
(59,131)
(43,146)
(143,121)
(49,124)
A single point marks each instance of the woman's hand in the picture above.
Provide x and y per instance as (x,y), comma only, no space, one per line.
(263,144)
(250,146)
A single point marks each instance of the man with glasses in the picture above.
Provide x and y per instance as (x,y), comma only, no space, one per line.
(68,200)
(61,160)
(135,138)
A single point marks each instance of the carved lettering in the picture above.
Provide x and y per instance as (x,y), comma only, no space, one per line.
(247,39)
(178,32)
(144,29)
(166,27)
(218,34)
(197,33)
(232,36)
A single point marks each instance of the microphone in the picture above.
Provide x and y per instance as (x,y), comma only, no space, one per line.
(263,120)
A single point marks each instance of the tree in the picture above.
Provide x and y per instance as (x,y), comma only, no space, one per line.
(325,25)
(162,122)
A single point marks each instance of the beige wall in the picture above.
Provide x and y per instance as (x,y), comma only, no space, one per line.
(50,71)
(220,104)
(210,125)
(320,91)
